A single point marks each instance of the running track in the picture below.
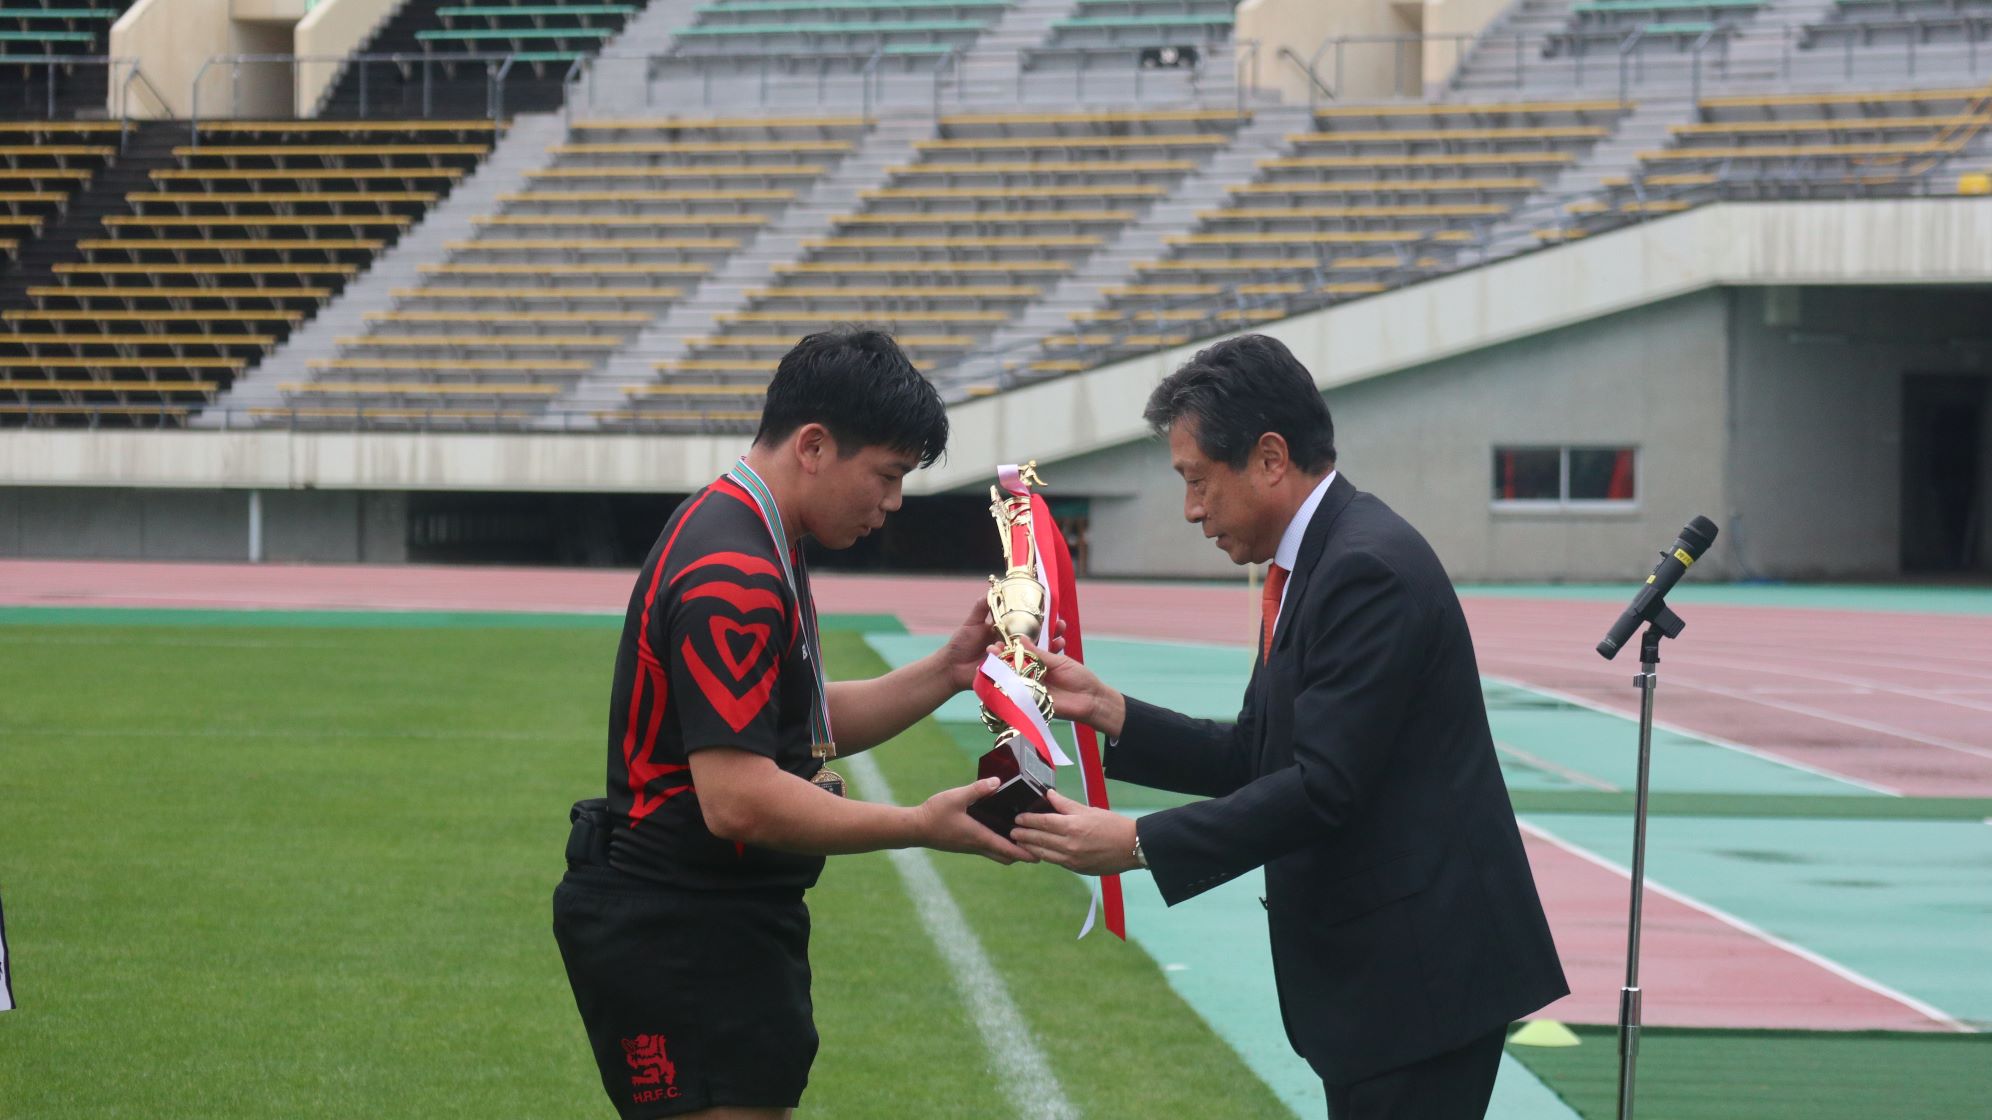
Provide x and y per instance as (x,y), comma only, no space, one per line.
(1901,702)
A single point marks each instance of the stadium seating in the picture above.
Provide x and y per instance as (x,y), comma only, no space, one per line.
(994,211)
(460,45)
(1125,29)
(832,34)
(1917,22)
(1671,23)
(32,35)
(627,217)
(1375,196)
(218,260)
(1797,145)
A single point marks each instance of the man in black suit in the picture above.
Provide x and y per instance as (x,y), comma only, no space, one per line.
(1406,930)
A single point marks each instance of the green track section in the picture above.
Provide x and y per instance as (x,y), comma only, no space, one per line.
(1548,745)
(1808,596)
(1774,1075)
(1972,809)
(1904,902)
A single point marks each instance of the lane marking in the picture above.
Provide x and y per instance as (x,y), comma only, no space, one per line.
(1676,729)
(1015,1058)
(1926,1010)
(1548,767)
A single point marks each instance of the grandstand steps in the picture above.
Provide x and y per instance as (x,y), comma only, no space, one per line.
(1643,129)
(522,149)
(617,80)
(889,143)
(1016,342)
(149,147)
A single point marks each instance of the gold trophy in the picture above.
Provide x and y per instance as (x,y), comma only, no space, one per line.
(1017,602)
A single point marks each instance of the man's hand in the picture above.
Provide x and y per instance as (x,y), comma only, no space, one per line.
(944,825)
(1078,694)
(1087,840)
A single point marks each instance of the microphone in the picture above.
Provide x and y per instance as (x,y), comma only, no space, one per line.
(1650,600)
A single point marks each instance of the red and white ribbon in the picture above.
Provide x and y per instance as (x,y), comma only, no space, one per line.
(1054,571)
(1002,690)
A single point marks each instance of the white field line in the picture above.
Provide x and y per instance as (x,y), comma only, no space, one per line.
(1548,767)
(1928,1011)
(1015,1058)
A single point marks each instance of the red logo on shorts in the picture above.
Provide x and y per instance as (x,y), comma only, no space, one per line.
(645,1055)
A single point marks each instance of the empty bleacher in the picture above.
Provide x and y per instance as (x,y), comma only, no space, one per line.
(43,45)
(1373,197)
(1800,145)
(1142,32)
(469,57)
(217,260)
(992,213)
(804,36)
(626,218)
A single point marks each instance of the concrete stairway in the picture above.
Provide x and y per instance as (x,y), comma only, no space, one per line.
(1015,344)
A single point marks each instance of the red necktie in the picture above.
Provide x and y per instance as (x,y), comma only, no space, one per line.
(1269,608)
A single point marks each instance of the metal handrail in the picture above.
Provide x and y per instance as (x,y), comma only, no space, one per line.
(1314,82)
(951,63)
(124,102)
(867,75)
(583,65)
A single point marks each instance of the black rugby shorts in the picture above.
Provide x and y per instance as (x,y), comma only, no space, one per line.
(691,999)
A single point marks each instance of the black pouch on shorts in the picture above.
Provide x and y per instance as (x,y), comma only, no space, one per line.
(588,840)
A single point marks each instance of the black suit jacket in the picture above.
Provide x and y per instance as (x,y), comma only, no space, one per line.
(1361,774)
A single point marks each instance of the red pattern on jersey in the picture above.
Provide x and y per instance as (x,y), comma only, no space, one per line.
(723,630)
(641,771)
(739,561)
(737,711)
(744,599)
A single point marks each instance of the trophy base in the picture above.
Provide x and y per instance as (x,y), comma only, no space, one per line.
(998,811)
(1027,782)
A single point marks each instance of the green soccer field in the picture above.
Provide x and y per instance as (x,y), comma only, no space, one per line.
(301,868)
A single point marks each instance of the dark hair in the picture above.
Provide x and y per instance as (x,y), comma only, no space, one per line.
(1237,391)
(857,383)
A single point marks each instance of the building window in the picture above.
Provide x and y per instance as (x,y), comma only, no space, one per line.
(1565,477)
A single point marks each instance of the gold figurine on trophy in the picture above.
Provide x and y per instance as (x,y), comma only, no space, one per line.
(1017,606)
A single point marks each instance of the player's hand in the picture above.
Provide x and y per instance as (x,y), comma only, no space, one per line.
(963,652)
(945,825)
(1084,839)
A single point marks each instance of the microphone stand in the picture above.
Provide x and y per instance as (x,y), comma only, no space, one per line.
(1663,624)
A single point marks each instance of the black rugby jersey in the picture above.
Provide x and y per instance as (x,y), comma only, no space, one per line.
(711,656)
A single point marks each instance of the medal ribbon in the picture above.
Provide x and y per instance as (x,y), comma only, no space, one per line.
(805,610)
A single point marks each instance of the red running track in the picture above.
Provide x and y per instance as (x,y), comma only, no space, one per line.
(1898,701)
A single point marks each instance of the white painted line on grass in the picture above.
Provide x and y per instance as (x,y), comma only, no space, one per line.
(1014,1055)
(1926,1010)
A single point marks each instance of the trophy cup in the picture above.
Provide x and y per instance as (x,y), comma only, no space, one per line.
(1017,604)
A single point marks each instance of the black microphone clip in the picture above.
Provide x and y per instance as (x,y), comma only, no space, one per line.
(1649,605)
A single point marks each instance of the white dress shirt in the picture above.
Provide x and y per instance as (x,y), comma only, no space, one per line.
(1288,554)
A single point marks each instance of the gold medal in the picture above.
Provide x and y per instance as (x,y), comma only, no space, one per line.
(830,780)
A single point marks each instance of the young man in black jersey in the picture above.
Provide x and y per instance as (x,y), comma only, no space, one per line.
(681,918)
